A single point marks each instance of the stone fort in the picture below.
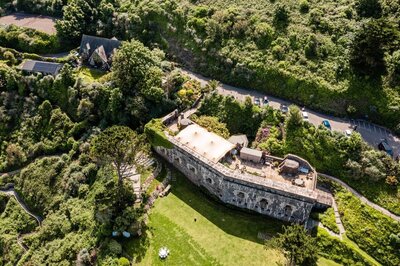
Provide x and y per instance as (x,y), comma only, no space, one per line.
(282,188)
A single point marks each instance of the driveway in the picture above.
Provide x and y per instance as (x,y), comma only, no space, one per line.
(371,133)
(41,23)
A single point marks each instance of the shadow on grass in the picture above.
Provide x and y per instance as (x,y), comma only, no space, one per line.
(138,246)
(234,221)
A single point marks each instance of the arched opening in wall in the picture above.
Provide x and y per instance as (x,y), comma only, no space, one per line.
(192,168)
(209,180)
(263,204)
(240,196)
(178,160)
(288,210)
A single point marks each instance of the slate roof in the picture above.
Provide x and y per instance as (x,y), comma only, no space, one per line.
(41,67)
(94,42)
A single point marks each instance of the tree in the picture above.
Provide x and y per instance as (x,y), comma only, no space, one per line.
(298,246)
(120,146)
(373,39)
(212,124)
(136,69)
(78,18)
(294,119)
(369,8)
(393,63)
(281,16)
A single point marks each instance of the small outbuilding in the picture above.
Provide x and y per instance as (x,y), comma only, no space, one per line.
(289,167)
(250,155)
(46,68)
(239,139)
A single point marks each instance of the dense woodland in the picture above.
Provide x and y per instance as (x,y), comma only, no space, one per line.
(340,57)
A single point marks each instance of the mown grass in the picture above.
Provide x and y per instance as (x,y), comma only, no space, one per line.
(199,231)
(90,75)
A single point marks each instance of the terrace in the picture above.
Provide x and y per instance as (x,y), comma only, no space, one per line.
(270,170)
(291,174)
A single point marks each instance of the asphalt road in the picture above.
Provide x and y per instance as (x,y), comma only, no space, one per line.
(373,134)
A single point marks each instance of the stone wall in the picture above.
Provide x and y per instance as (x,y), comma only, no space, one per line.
(262,196)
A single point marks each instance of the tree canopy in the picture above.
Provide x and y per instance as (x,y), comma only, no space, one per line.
(298,246)
(136,69)
(120,146)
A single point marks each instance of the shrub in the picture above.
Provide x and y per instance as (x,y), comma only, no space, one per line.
(304,6)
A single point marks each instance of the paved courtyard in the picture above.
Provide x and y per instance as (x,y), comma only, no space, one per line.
(37,22)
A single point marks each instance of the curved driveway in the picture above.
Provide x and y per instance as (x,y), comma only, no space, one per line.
(371,133)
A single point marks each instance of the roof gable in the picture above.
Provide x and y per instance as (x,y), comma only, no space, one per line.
(94,42)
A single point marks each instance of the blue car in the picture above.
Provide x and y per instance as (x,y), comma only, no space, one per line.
(327,124)
(384,146)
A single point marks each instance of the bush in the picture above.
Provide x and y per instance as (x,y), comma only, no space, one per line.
(304,6)
(28,40)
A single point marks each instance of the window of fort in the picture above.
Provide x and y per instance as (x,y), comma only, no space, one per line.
(209,180)
(178,160)
(240,195)
(192,168)
(263,204)
(288,210)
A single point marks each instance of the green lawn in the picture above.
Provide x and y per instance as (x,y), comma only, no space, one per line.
(90,75)
(219,236)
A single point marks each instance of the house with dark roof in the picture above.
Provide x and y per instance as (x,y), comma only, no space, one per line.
(46,68)
(98,51)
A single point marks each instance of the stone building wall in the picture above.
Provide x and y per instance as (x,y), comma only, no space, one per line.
(219,181)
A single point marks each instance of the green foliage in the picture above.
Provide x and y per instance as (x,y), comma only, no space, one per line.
(154,131)
(370,229)
(281,16)
(212,124)
(327,218)
(239,118)
(369,8)
(13,221)
(28,40)
(342,252)
(78,16)
(120,146)
(136,69)
(369,45)
(297,245)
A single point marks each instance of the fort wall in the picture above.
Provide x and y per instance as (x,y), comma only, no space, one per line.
(275,199)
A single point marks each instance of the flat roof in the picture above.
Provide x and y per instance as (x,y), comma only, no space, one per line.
(241,139)
(205,143)
(252,152)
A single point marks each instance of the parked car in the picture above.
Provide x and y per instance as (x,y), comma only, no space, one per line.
(305,116)
(284,108)
(348,132)
(266,101)
(327,124)
(257,101)
(384,146)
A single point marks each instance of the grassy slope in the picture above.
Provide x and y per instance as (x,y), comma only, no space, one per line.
(220,236)
(368,228)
